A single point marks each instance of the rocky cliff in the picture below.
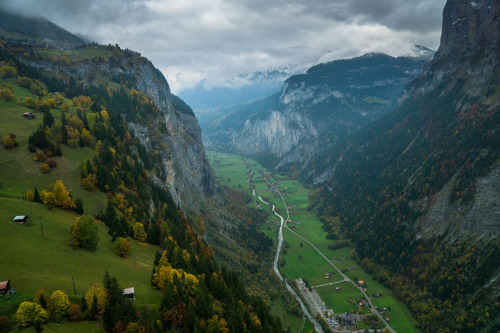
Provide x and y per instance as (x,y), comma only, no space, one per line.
(173,136)
(188,173)
(316,109)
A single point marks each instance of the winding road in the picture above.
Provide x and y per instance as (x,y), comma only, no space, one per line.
(276,259)
(313,320)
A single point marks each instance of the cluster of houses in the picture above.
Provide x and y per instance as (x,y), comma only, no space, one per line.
(293,224)
(361,302)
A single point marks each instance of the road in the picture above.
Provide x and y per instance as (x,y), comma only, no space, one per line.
(316,325)
(276,258)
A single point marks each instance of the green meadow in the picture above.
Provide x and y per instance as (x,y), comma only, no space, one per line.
(20,171)
(32,261)
(233,171)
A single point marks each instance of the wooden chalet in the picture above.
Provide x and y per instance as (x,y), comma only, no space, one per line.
(5,287)
(20,218)
(129,292)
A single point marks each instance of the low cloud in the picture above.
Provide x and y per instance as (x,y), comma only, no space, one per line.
(216,40)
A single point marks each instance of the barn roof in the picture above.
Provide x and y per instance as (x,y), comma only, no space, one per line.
(4,284)
(20,217)
(128,291)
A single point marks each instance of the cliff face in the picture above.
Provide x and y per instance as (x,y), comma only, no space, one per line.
(188,172)
(179,149)
(317,109)
(469,47)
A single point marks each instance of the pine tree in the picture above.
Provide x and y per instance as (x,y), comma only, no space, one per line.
(36,196)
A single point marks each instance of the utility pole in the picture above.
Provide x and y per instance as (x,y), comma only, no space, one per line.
(41,228)
(74,289)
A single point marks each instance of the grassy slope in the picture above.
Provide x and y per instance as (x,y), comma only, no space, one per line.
(230,172)
(19,169)
(32,262)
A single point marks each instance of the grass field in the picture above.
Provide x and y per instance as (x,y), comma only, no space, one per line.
(340,300)
(32,262)
(19,169)
(233,170)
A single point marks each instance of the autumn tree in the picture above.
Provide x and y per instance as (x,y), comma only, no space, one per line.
(75,312)
(62,196)
(95,298)
(48,198)
(30,314)
(58,305)
(7,92)
(42,298)
(139,232)
(84,233)
(121,247)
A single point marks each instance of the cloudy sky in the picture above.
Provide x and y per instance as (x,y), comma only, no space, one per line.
(215,40)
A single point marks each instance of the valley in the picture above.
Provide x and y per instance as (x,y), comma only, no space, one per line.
(299,258)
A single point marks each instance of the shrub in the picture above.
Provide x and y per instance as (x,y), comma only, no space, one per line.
(45,168)
(29,195)
(7,94)
(8,143)
(39,156)
(75,312)
(4,324)
(51,163)
(121,247)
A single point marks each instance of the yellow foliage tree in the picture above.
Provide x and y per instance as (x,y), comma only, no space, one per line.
(99,292)
(62,196)
(58,305)
(139,232)
(48,198)
(29,314)
(165,272)
(216,325)
(29,195)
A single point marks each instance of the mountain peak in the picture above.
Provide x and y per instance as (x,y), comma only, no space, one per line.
(419,52)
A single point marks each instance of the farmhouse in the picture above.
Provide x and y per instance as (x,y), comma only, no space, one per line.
(129,292)
(29,115)
(20,218)
(5,287)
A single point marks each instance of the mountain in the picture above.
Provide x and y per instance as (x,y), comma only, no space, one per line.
(95,129)
(316,109)
(14,27)
(417,191)
(211,102)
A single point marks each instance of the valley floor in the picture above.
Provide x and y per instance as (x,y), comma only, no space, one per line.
(301,260)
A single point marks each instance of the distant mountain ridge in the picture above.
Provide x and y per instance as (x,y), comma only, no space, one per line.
(315,109)
(211,102)
(14,26)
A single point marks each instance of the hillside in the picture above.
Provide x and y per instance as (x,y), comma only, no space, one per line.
(94,129)
(417,191)
(315,110)
(35,29)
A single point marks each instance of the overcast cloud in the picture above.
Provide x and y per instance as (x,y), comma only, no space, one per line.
(215,40)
